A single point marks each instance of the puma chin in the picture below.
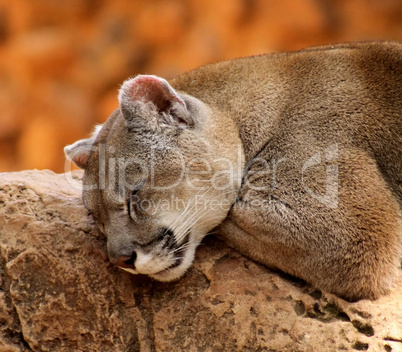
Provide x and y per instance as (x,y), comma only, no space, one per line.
(294,159)
(165,266)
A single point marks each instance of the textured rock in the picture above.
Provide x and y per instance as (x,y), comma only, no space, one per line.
(58,292)
(62,62)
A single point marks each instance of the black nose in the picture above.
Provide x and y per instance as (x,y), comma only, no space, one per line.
(126,262)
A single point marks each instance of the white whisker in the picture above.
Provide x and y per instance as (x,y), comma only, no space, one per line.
(191,205)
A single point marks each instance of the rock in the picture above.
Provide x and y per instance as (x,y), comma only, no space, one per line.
(60,61)
(58,292)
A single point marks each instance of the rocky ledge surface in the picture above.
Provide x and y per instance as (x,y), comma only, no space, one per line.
(58,292)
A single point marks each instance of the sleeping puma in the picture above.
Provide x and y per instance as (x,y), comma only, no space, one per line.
(295,159)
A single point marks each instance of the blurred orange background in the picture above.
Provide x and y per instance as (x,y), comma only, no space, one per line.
(61,62)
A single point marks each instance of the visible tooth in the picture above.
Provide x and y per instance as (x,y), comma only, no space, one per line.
(131,271)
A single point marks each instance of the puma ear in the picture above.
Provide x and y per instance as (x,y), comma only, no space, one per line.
(80,151)
(153,99)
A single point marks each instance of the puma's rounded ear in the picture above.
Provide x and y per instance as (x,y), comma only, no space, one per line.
(143,96)
(80,151)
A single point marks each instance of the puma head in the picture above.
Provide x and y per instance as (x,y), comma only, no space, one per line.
(159,174)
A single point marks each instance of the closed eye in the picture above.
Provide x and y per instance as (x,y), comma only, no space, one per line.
(133,200)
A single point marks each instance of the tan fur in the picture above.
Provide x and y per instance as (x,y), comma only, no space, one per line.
(296,125)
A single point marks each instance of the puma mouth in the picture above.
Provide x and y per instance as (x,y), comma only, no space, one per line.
(182,260)
(174,265)
(171,273)
(180,265)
